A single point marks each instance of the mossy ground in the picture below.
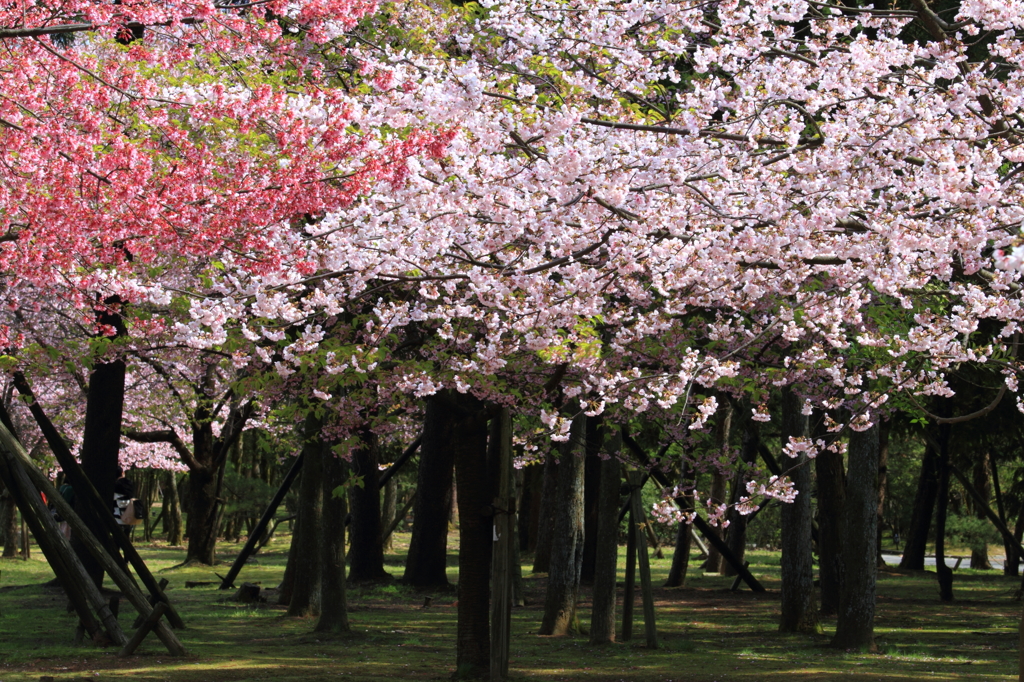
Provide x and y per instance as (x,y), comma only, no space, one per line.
(707,633)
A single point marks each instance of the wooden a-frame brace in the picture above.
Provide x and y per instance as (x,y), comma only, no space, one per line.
(25,481)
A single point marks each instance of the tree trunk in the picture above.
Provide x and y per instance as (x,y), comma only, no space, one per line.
(979,556)
(883,480)
(684,531)
(591,485)
(529,510)
(737,537)
(426,563)
(916,544)
(828,467)
(287,586)
(602,622)
(305,599)
(201,523)
(172,509)
(366,553)
(723,427)
(476,492)
(856,621)
(1012,560)
(545,514)
(1012,564)
(8,524)
(389,509)
(333,602)
(799,607)
(566,538)
(101,442)
(944,572)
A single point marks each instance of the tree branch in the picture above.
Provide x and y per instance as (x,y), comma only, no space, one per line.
(170,437)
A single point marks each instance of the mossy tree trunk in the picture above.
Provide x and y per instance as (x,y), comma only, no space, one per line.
(856,617)
(333,600)
(563,585)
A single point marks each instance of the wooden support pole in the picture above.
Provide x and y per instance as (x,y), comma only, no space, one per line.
(646,589)
(152,602)
(64,573)
(502,554)
(399,517)
(629,594)
(16,472)
(400,462)
(95,505)
(24,540)
(140,634)
(21,466)
(261,527)
(700,524)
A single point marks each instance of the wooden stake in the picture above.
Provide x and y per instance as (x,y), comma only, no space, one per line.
(646,590)
(51,532)
(60,568)
(141,633)
(84,489)
(15,455)
(257,532)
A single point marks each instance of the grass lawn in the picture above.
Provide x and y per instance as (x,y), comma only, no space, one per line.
(707,633)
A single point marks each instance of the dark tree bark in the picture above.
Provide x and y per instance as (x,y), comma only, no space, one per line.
(723,428)
(426,563)
(591,485)
(602,622)
(366,553)
(944,572)
(476,492)
(172,509)
(856,617)
(287,586)
(883,480)
(305,599)
(979,557)
(388,511)
(563,586)
(1012,565)
(545,514)
(529,509)
(101,440)
(828,467)
(333,601)
(799,606)
(916,544)
(737,531)
(1012,560)
(684,531)
(8,523)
